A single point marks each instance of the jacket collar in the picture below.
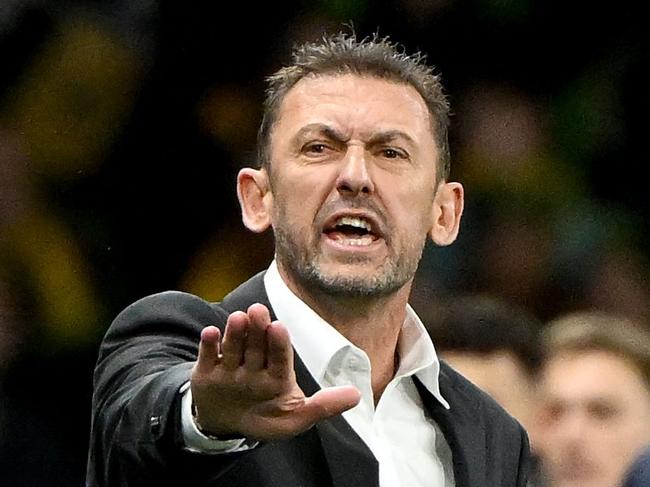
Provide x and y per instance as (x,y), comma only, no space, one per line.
(343,448)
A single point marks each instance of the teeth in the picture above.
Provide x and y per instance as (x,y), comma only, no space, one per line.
(358,242)
(354,222)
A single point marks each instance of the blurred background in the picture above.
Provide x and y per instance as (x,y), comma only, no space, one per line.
(123,124)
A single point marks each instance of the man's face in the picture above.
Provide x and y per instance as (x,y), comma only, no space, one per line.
(353,182)
(595,418)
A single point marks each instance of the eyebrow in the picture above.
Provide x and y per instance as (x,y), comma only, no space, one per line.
(332,133)
(322,129)
(390,136)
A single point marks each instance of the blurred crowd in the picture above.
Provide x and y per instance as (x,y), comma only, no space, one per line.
(580,384)
(123,124)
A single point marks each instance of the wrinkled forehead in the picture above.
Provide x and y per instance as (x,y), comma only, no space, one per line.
(354,102)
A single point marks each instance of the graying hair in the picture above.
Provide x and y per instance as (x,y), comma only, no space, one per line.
(375,57)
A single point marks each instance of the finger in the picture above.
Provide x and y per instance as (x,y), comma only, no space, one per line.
(234,340)
(208,348)
(323,404)
(329,402)
(279,358)
(255,351)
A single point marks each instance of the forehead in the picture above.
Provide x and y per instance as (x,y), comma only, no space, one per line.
(583,373)
(356,105)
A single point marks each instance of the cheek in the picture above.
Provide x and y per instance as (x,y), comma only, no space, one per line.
(415,209)
(295,208)
(306,183)
(630,432)
(415,191)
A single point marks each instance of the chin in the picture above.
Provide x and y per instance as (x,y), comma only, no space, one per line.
(356,284)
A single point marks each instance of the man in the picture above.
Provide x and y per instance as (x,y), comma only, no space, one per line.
(493,343)
(316,372)
(595,393)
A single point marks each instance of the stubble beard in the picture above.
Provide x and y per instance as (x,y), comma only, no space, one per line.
(303,264)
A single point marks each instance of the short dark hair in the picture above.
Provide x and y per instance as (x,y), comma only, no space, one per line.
(378,57)
(484,324)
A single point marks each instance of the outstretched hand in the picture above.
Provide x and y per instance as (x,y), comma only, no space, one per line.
(245,383)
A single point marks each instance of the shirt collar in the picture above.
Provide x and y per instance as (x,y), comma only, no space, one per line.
(317,342)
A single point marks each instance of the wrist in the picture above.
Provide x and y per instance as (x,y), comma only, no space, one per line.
(209,434)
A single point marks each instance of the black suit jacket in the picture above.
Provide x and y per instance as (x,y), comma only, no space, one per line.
(147,355)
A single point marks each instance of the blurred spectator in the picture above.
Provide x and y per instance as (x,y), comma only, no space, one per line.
(533,231)
(493,343)
(595,399)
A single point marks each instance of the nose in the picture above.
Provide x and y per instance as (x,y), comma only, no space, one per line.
(574,427)
(354,177)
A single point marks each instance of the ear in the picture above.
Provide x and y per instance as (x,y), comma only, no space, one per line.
(447,209)
(255,198)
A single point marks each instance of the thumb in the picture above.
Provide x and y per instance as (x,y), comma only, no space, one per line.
(329,402)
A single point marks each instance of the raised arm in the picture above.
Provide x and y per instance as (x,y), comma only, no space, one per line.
(243,384)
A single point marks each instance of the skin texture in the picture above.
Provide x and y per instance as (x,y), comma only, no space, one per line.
(594,420)
(373,177)
(343,146)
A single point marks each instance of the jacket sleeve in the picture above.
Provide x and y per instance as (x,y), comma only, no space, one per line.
(525,477)
(146,356)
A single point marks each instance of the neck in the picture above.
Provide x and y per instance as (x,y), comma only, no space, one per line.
(372,323)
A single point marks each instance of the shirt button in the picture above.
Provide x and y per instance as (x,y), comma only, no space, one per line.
(357,364)
(353,363)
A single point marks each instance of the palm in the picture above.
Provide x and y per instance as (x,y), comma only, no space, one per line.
(246,383)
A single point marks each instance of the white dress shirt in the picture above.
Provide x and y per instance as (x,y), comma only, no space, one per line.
(409,446)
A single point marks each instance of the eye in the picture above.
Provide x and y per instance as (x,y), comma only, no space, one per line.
(552,413)
(315,148)
(393,153)
(602,411)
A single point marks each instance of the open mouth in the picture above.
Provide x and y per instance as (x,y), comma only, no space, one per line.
(352,230)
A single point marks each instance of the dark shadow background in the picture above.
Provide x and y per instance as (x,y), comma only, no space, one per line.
(123,124)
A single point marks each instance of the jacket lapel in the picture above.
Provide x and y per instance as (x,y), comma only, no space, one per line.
(351,463)
(462,429)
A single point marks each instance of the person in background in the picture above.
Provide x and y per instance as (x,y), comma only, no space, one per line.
(315,372)
(495,344)
(594,418)
(492,342)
